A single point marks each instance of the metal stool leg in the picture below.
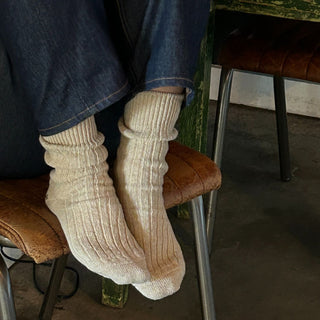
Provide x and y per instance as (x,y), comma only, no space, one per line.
(197,210)
(51,294)
(7,310)
(218,139)
(282,127)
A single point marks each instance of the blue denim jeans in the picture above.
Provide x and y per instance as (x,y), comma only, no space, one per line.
(72,59)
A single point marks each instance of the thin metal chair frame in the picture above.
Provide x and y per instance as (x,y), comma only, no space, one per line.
(204,271)
(219,134)
(7,308)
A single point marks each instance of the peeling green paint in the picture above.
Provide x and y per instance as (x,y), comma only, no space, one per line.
(183,212)
(114,295)
(293,9)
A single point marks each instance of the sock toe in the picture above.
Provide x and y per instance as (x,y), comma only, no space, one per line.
(164,286)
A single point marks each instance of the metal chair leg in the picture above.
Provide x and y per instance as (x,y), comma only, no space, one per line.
(205,281)
(7,309)
(282,127)
(218,139)
(51,294)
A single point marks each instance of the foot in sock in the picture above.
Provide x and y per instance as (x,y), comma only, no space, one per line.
(82,196)
(147,126)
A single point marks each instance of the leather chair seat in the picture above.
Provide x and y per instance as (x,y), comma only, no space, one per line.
(282,47)
(26,221)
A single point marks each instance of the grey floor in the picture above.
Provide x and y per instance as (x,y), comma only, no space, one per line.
(266,258)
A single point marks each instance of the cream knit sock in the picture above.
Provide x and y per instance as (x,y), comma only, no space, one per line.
(146,128)
(82,196)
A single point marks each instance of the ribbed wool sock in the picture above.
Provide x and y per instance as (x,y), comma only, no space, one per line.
(147,126)
(82,196)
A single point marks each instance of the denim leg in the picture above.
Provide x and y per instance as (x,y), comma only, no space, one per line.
(63,58)
(68,60)
(162,41)
(21,155)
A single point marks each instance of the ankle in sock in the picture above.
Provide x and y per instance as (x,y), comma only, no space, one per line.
(82,196)
(146,128)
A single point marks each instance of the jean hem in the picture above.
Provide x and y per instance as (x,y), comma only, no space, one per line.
(97,106)
(168,82)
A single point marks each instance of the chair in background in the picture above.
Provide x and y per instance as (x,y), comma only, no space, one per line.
(278,47)
(26,222)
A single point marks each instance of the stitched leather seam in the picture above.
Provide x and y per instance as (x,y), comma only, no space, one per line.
(289,51)
(203,188)
(313,54)
(181,196)
(272,45)
(16,236)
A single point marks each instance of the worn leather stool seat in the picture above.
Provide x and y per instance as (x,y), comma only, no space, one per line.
(29,224)
(282,47)
(190,174)
(26,221)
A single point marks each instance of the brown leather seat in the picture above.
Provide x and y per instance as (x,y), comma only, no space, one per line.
(26,221)
(281,47)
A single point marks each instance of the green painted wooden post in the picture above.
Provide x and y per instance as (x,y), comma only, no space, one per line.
(293,9)
(114,295)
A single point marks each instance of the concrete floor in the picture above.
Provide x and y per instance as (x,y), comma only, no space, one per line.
(266,257)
